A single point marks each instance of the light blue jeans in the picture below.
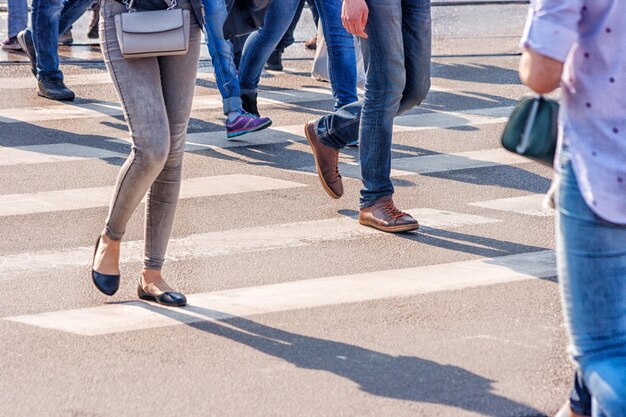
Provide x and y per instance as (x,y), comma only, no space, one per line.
(18,17)
(591,255)
(222,57)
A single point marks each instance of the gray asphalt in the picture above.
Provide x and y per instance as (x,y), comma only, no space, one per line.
(498,350)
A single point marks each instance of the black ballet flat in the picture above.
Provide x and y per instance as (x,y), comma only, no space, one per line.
(169,298)
(107,284)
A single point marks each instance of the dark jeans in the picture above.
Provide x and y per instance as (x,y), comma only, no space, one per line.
(580,398)
(288,38)
(49,19)
(341,56)
(397,59)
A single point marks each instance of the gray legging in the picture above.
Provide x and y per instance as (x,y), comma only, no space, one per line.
(156,95)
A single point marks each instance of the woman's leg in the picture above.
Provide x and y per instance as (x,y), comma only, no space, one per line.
(138,84)
(592,271)
(178,78)
(262,43)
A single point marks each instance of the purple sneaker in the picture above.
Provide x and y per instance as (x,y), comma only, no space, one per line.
(246,123)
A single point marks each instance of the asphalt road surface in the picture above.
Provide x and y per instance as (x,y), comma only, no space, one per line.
(295,309)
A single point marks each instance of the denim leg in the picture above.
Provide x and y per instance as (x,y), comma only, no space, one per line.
(341,53)
(313,7)
(386,78)
(288,39)
(416,38)
(51,17)
(45,23)
(222,57)
(72,11)
(262,43)
(591,255)
(18,17)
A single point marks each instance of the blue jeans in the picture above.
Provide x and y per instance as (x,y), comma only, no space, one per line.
(341,55)
(49,19)
(18,17)
(591,255)
(397,60)
(221,51)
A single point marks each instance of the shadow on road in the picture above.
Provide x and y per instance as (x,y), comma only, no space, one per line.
(404,378)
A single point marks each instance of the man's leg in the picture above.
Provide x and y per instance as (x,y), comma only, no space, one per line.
(72,11)
(260,45)
(275,61)
(341,53)
(222,57)
(45,29)
(18,17)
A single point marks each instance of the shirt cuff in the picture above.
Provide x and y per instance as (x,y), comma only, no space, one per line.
(548,39)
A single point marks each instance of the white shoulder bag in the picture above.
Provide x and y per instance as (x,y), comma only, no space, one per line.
(153,33)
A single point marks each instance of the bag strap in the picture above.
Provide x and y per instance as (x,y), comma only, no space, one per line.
(130,5)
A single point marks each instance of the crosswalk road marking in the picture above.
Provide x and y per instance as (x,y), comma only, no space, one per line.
(531,205)
(431,164)
(58,152)
(84,198)
(109,108)
(242,302)
(100,109)
(408,123)
(229,242)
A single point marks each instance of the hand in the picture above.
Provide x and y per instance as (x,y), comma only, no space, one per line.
(354,15)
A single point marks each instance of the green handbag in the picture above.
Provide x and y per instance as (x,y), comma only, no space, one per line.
(532,129)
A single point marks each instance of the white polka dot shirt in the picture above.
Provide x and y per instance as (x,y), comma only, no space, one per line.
(589,36)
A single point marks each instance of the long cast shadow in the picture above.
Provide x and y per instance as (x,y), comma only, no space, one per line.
(406,378)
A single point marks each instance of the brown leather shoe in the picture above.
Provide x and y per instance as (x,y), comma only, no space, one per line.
(326,162)
(385,216)
(311,43)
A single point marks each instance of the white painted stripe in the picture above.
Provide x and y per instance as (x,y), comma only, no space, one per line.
(314,293)
(531,205)
(431,164)
(102,109)
(409,123)
(84,198)
(58,152)
(89,110)
(75,80)
(230,242)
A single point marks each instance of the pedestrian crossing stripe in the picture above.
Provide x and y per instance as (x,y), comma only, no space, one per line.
(408,123)
(57,152)
(236,241)
(313,293)
(109,108)
(530,205)
(85,198)
(431,164)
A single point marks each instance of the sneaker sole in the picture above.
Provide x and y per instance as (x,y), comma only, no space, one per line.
(392,229)
(62,98)
(317,166)
(231,135)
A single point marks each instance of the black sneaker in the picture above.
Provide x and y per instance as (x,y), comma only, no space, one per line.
(248,102)
(275,61)
(25,39)
(54,89)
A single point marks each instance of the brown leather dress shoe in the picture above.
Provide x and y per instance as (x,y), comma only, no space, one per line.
(311,43)
(326,162)
(385,216)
